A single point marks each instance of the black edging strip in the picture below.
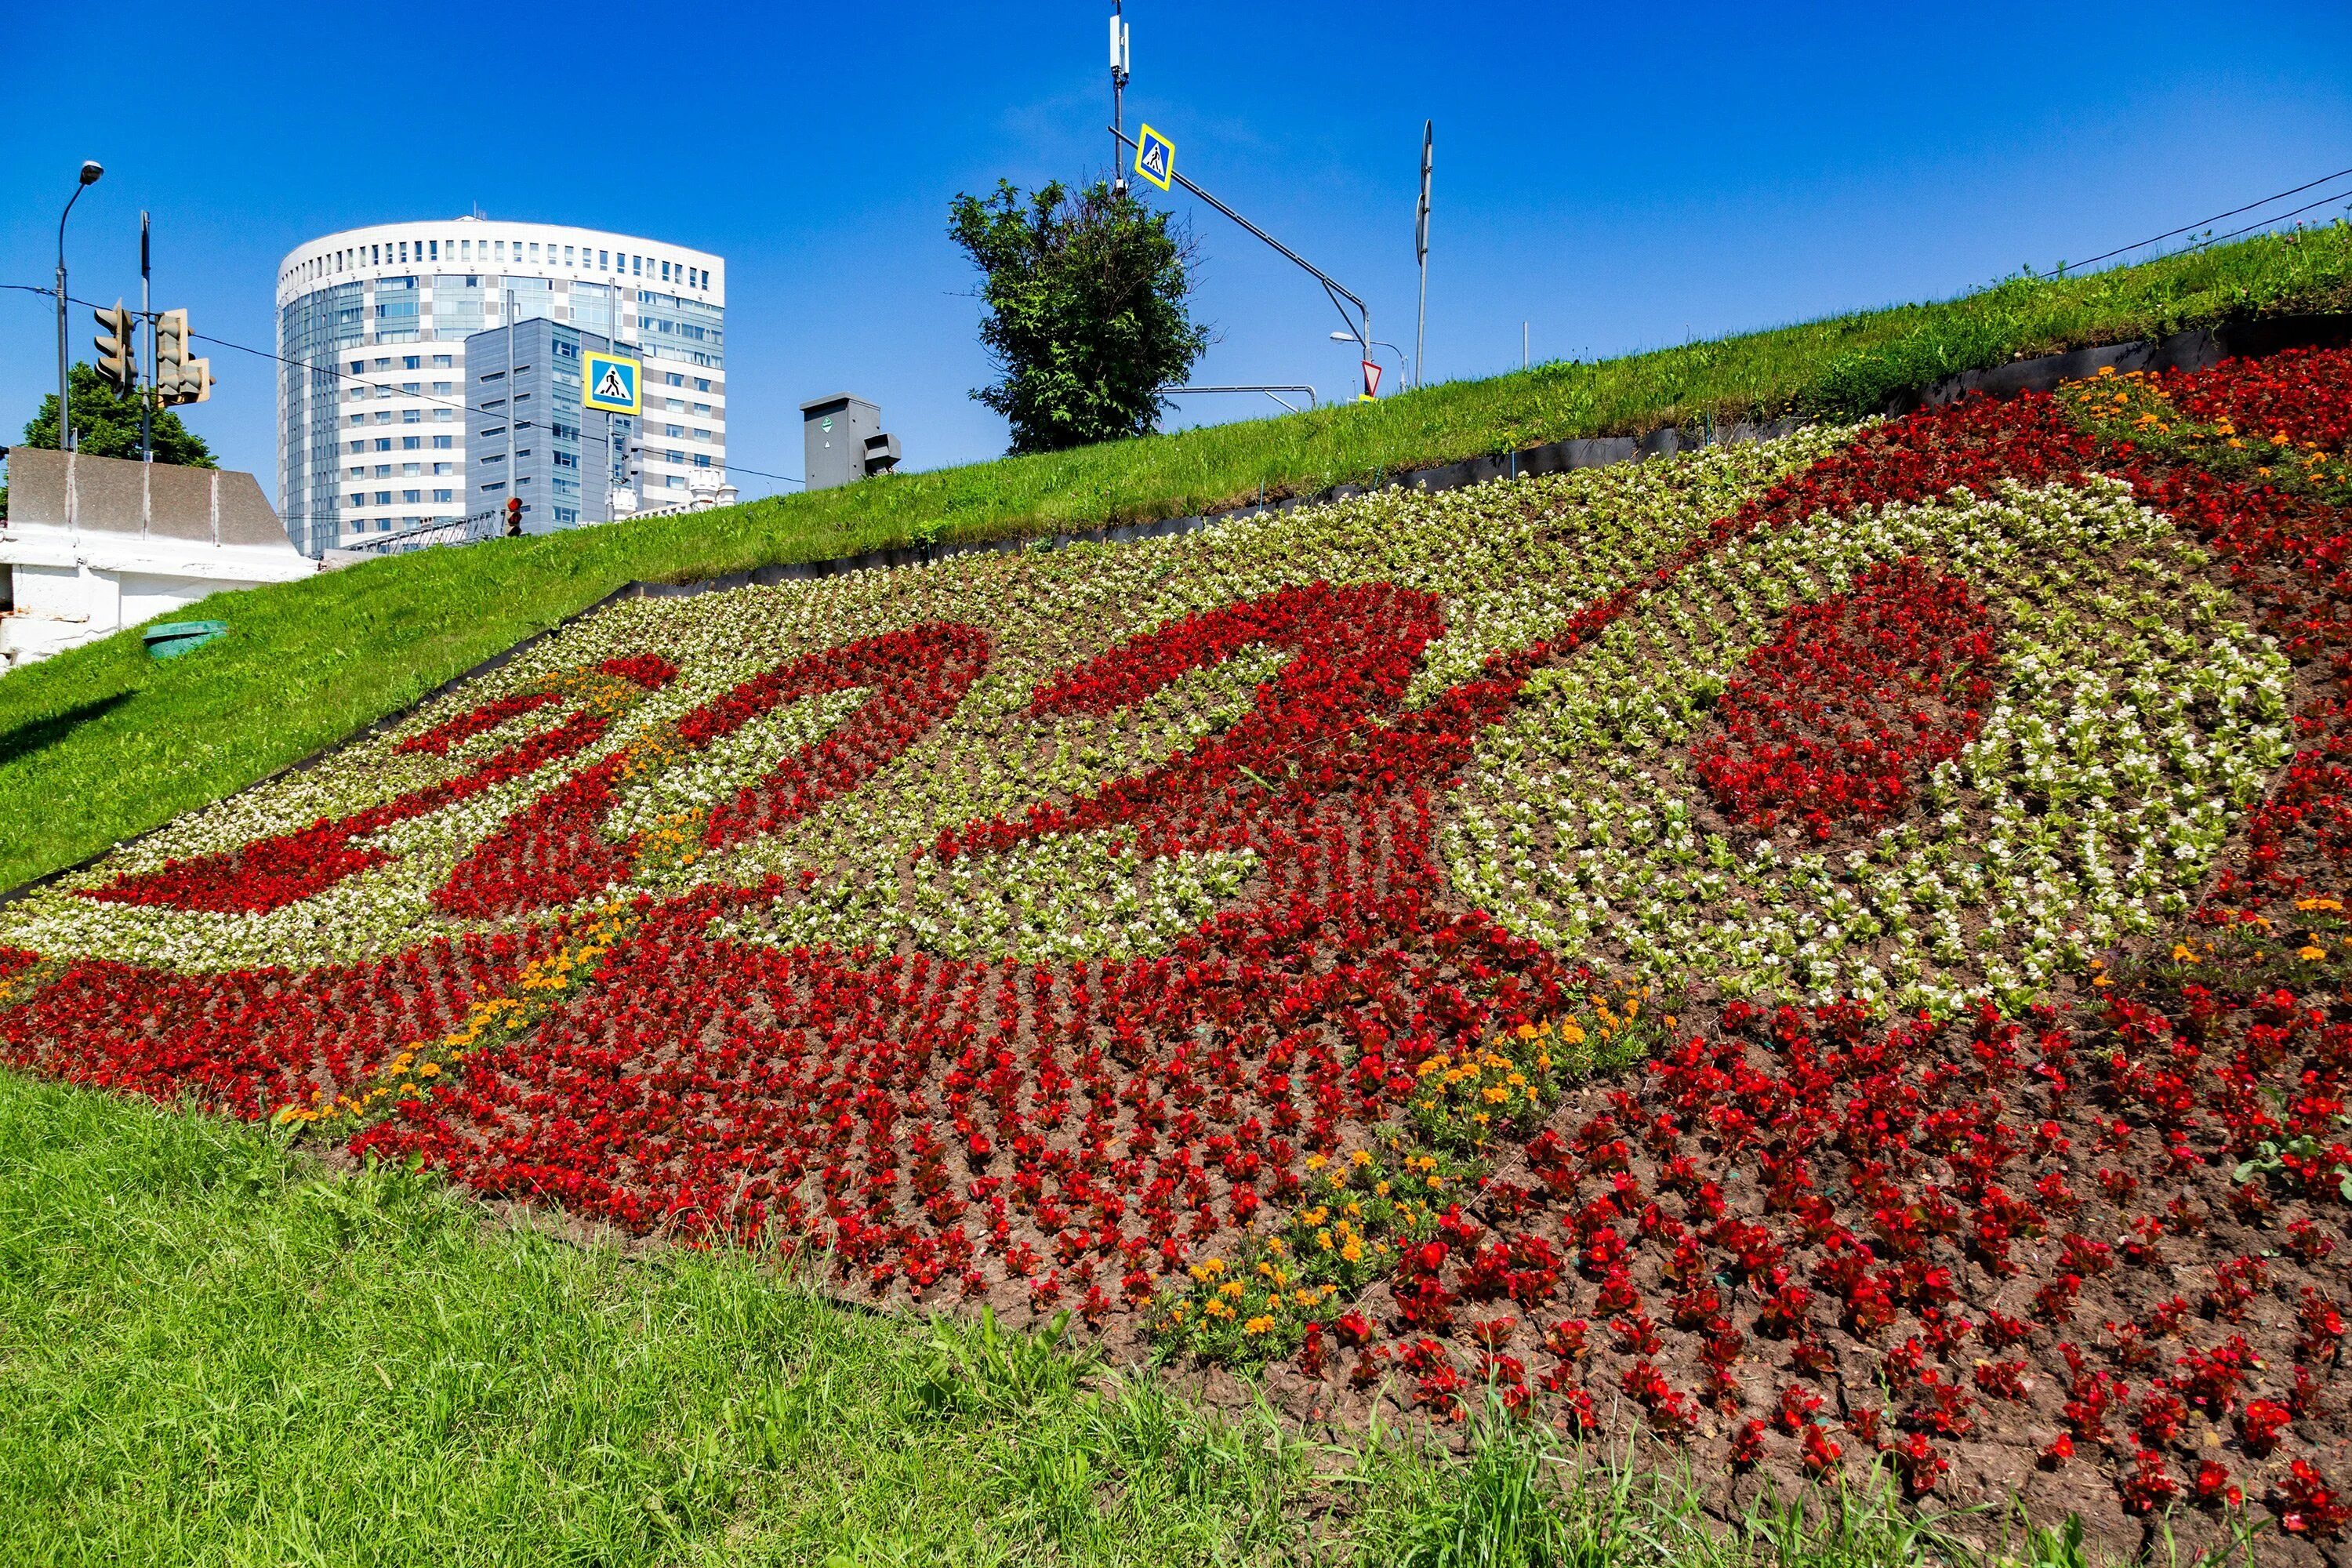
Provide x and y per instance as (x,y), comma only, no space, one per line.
(2199,349)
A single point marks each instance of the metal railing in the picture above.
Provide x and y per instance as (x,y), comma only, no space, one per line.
(1269,391)
(470,530)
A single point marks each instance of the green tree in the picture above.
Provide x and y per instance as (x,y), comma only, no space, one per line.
(106,422)
(1086,318)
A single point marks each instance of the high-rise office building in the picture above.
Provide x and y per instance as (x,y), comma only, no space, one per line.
(371,403)
(529,432)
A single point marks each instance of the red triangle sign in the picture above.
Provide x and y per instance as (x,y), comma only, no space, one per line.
(1371,379)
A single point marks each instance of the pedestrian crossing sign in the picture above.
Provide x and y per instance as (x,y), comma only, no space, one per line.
(611,384)
(1155,157)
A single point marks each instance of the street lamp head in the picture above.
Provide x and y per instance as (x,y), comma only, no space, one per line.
(91,170)
(1343,337)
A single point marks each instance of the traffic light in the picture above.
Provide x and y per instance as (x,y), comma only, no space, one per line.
(118,347)
(514,517)
(179,377)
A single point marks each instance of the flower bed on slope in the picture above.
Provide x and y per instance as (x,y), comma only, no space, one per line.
(1826,951)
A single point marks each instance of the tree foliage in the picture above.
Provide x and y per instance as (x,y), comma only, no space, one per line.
(106,424)
(1086,319)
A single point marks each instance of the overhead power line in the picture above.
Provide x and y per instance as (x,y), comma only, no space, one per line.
(334,369)
(2217,217)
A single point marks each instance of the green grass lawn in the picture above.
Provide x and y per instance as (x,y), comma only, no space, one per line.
(213,1352)
(100,743)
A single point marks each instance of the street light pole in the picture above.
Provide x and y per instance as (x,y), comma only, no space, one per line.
(90,170)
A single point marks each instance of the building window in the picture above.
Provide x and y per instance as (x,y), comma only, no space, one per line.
(465,250)
(441,468)
(674,482)
(358,498)
(702,384)
(411,443)
(411,497)
(445,495)
(442,442)
(383,442)
(435,247)
(604,259)
(702,460)
(384,497)
(410,362)
(567,256)
(638,264)
(358,365)
(677,456)
(441,361)
(412,417)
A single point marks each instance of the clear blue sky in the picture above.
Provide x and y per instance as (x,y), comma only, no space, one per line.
(1618,177)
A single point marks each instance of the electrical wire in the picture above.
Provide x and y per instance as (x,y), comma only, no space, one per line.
(2217,217)
(339,375)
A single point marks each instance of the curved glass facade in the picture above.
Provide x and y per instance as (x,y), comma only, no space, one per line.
(372,403)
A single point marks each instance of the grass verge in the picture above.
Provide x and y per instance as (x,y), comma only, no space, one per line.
(100,743)
(211,1351)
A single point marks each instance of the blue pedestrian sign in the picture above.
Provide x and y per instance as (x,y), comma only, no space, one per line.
(611,384)
(1155,157)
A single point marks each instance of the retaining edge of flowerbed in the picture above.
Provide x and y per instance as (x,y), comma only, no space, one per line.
(2198,349)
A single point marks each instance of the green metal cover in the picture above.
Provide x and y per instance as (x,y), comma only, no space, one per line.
(172,638)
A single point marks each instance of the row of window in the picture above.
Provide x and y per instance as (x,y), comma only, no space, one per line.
(407,417)
(408,498)
(403,252)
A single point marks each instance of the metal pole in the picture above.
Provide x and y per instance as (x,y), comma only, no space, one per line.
(146,451)
(1420,245)
(65,388)
(1330,286)
(1117,104)
(506,308)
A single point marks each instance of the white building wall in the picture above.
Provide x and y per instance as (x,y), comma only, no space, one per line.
(398,430)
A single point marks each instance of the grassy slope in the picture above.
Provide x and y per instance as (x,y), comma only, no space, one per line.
(210,1353)
(98,743)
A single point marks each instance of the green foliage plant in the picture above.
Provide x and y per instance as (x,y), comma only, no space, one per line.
(1086,293)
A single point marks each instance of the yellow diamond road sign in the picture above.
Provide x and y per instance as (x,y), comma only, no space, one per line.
(1155,157)
(611,384)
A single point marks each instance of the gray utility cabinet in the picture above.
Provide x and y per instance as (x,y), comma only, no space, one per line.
(842,440)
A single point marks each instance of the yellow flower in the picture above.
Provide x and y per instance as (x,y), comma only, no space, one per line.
(1259,1324)
(2312,954)
(1362,1157)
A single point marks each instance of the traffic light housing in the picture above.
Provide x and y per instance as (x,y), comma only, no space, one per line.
(514,517)
(118,347)
(179,377)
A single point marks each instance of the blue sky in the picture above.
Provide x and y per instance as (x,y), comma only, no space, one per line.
(1616,177)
